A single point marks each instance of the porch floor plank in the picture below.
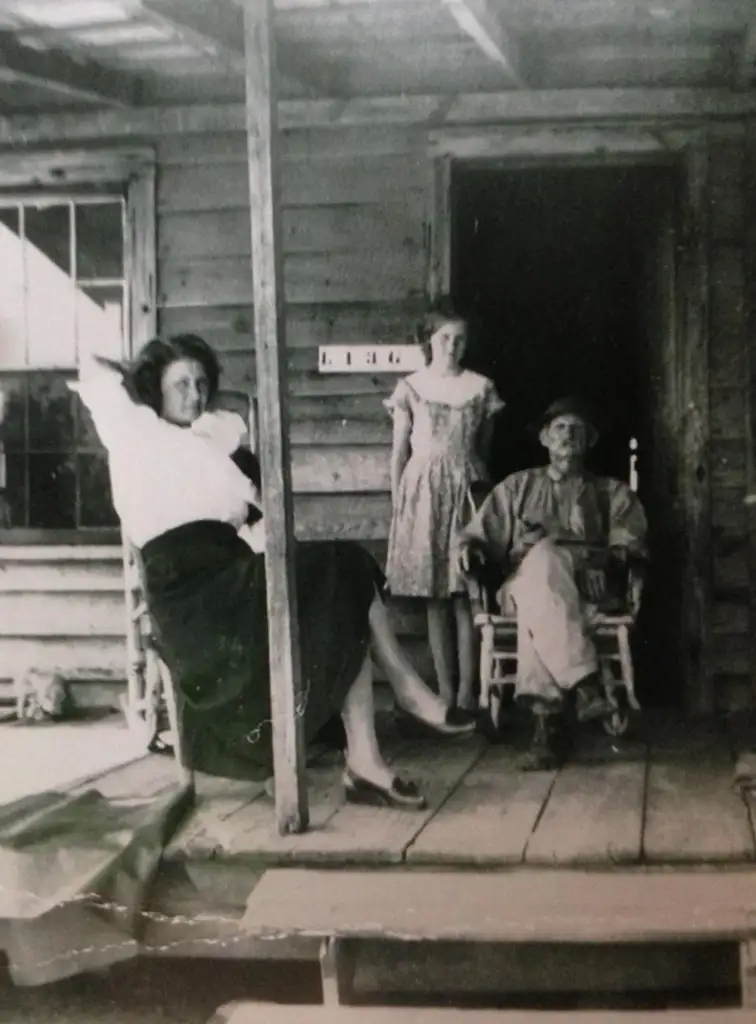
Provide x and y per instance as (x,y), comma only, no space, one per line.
(345,833)
(489,818)
(668,801)
(692,811)
(256,833)
(594,815)
(205,834)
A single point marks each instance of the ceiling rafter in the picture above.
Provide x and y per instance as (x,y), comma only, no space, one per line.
(481,23)
(55,71)
(188,27)
(221,23)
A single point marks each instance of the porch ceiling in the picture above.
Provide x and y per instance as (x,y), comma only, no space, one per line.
(84,53)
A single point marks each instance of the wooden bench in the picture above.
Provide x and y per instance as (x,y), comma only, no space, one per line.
(342,908)
(268,1013)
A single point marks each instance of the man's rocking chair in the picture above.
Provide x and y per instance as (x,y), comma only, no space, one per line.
(497,629)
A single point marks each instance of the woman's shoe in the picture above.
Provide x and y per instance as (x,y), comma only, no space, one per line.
(402,793)
(456,723)
(159,745)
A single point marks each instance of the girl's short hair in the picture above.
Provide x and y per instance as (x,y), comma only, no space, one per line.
(146,372)
(441,312)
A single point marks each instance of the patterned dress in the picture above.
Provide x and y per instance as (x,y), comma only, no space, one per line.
(432,504)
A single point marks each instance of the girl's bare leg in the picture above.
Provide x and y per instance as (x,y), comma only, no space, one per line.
(410,690)
(441,639)
(467,652)
(363,756)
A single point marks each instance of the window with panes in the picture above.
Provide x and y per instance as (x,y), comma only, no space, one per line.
(62,293)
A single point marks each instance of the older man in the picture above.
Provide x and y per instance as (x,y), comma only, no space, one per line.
(564,539)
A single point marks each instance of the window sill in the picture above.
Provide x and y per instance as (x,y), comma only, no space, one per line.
(51,545)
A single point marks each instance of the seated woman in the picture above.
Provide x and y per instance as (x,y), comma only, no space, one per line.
(182,496)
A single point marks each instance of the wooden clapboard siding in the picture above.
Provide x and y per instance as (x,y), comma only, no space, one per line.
(357,276)
(82,658)
(731,616)
(330,180)
(62,611)
(303,144)
(307,326)
(225,234)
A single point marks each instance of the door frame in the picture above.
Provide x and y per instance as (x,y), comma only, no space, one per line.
(611,145)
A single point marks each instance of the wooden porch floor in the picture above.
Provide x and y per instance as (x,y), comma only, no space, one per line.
(35,758)
(666,799)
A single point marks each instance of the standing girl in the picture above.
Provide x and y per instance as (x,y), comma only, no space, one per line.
(442,421)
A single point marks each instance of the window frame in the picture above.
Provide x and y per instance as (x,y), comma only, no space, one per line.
(134,171)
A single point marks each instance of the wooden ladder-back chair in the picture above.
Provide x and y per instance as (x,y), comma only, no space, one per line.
(151,693)
(497,629)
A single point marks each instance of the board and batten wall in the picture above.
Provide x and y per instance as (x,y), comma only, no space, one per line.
(355,268)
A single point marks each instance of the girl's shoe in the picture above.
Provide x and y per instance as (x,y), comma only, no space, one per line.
(457,722)
(402,793)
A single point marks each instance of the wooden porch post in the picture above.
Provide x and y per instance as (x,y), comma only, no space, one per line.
(695,434)
(270,348)
(749,342)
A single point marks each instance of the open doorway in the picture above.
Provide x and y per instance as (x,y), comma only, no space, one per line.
(567,275)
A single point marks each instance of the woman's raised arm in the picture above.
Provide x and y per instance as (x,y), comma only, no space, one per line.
(119,421)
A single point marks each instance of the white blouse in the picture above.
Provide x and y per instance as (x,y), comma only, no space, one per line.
(163,476)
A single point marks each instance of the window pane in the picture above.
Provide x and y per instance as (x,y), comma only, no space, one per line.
(99,241)
(51,414)
(50,290)
(12,320)
(99,320)
(95,500)
(15,489)
(52,492)
(87,437)
(48,230)
(13,425)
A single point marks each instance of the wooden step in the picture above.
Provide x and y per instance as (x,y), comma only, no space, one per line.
(513,906)
(266,1013)
(345,908)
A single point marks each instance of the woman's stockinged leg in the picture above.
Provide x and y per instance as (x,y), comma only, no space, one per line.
(467,652)
(410,691)
(363,756)
(441,640)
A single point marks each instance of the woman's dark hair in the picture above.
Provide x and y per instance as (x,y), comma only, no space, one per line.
(146,372)
(441,312)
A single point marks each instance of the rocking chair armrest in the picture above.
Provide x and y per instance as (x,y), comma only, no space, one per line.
(636,581)
(477,593)
(482,582)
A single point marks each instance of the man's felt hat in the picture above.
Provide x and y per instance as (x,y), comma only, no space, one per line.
(570,406)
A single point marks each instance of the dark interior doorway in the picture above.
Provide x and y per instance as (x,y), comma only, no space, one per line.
(557,270)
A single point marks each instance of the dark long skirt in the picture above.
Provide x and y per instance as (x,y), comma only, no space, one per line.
(206,594)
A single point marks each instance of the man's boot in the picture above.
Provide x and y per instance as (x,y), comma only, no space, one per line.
(550,745)
(586,701)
